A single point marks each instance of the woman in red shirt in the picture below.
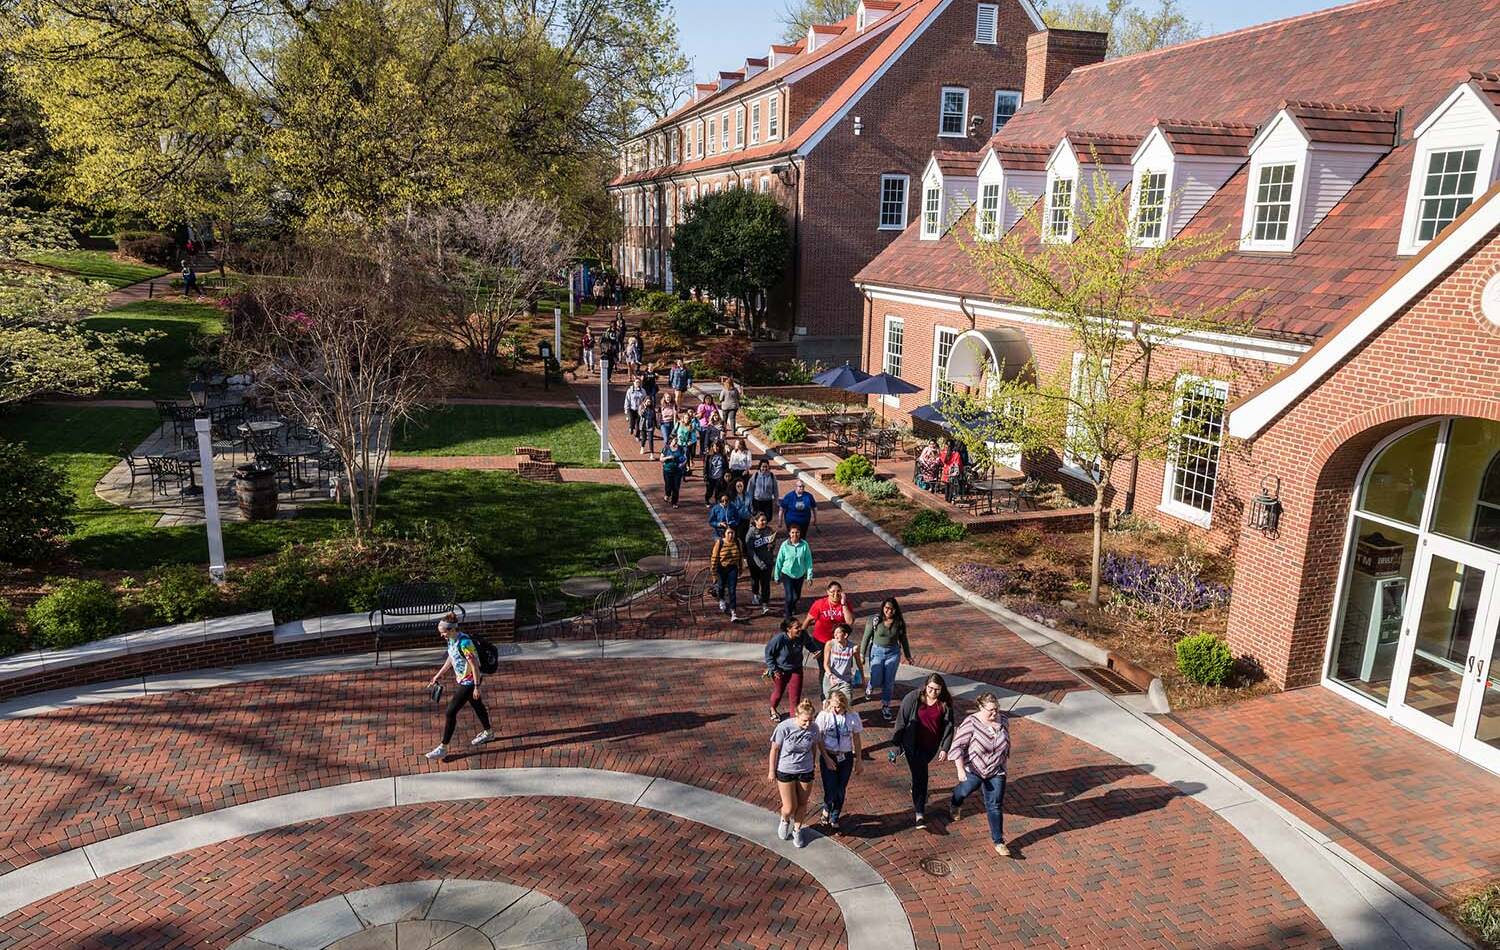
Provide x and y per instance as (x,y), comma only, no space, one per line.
(824,615)
(924,730)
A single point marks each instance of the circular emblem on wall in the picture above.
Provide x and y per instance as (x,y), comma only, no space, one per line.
(1489,299)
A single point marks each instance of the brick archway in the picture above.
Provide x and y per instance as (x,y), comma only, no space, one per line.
(1405,411)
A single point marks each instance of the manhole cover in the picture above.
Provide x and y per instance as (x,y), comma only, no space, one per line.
(937,867)
(1108,679)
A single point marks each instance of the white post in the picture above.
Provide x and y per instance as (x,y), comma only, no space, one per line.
(210,500)
(575,284)
(557,350)
(604,455)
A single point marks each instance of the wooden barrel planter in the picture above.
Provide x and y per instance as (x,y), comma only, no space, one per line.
(255,490)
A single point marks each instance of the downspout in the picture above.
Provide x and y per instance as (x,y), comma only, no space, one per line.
(963,308)
(796,245)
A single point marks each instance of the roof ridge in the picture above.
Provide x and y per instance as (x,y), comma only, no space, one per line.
(1336,107)
(1476,75)
(1284,21)
(1205,124)
(1102,136)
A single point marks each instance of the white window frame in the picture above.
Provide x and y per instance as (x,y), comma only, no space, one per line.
(1169,505)
(1411,241)
(932,218)
(773,118)
(755,111)
(724,131)
(701,137)
(1070,462)
(905,181)
(963,127)
(997,124)
(1137,192)
(713,136)
(994,13)
(939,362)
(739,127)
(673,146)
(1051,235)
(765,183)
(886,363)
(1298,164)
(987,219)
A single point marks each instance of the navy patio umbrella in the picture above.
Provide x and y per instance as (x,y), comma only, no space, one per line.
(931,413)
(841,377)
(884,384)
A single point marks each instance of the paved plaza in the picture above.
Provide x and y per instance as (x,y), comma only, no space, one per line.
(282,805)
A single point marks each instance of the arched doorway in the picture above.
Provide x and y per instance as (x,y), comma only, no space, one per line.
(978,360)
(1415,632)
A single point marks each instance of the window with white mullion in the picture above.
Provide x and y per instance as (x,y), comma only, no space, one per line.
(989,211)
(932,211)
(943,354)
(893,202)
(1194,466)
(1151,207)
(955,112)
(755,124)
(773,118)
(1060,209)
(1273,203)
(713,136)
(1447,189)
(723,131)
(1006,103)
(739,127)
(895,331)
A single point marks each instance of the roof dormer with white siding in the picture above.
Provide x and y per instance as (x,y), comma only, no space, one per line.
(820,34)
(1072,166)
(1303,162)
(950,184)
(1011,178)
(1455,161)
(1177,168)
(869,12)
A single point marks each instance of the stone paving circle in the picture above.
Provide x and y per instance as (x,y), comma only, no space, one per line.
(451,914)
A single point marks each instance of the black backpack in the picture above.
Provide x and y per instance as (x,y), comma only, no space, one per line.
(489,654)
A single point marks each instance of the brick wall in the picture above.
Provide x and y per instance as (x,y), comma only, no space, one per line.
(1438,357)
(899,113)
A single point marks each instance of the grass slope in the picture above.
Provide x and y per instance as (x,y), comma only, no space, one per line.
(97,265)
(497,430)
(181,324)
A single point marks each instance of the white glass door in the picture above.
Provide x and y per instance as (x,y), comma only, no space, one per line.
(1448,634)
(1481,737)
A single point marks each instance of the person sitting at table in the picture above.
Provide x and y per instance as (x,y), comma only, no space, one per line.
(953,470)
(929,466)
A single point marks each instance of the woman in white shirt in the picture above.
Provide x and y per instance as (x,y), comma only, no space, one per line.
(739,462)
(841,729)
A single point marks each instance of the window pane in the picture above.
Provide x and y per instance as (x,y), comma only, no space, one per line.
(955,111)
(930,211)
(1273,202)
(1447,190)
(1195,467)
(1375,585)
(1150,212)
(894,330)
(1468,501)
(892,202)
(1060,208)
(945,341)
(1006,104)
(1396,484)
(989,210)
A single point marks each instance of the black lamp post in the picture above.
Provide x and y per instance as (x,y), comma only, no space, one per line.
(198,392)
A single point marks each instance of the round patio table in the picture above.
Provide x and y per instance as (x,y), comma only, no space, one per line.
(265,425)
(585,586)
(1002,480)
(190,458)
(661,565)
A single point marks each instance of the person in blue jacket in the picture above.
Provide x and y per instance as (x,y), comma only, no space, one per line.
(800,508)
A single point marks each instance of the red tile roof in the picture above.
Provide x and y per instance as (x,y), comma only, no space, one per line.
(1106,148)
(1332,124)
(1488,85)
(1018,156)
(793,49)
(883,5)
(959,164)
(1402,54)
(1206,138)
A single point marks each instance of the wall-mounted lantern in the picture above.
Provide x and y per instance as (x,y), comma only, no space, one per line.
(1265,508)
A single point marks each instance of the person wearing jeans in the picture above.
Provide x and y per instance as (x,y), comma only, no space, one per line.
(924,730)
(646,427)
(463,660)
(793,568)
(763,490)
(882,645)
(672,463)
(841,728)
(726,557)
(980,750)
(785,653)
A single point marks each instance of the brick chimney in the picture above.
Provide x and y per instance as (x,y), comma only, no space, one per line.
(1052,54)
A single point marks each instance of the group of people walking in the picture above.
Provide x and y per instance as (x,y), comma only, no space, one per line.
(615,348)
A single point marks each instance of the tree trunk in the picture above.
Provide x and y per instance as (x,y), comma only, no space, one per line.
(1098,548)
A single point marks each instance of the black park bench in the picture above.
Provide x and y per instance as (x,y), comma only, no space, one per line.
(411,608)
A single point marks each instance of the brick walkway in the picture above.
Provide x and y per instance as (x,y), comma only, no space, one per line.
(504,463)
(1111,857)
(1420,814)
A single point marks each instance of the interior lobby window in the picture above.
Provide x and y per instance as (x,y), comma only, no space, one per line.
(1468,502)
(1395,487)
(1375,587)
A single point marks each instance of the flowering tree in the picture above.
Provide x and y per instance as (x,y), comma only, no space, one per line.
(338,346)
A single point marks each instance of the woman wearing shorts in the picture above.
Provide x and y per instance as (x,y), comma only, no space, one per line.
(796,745)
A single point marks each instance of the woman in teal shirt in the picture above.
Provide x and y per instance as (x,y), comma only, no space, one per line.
(794,567)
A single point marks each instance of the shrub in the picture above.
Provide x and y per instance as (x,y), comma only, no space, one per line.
(659,301)
(1179,586)
(789,429)
(1480,912)
(1047,584)
(759,411)
(178,594)
(11,640)
(930,527)
(1204,659)
(854,467)
(878,489)
(984,580)
(76,611)
(148,246)
(35,505)
(691,317)
(730,356)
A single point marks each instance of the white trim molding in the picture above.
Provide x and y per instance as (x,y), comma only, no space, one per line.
(1250,417)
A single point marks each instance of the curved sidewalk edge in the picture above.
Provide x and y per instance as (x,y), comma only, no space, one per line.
(873,916)
(1359,905)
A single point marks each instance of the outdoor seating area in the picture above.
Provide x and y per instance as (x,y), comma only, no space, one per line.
(592,602)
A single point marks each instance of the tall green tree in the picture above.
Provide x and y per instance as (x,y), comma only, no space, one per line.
(801,14)
(734,245)
(1130,28)
(1110,293)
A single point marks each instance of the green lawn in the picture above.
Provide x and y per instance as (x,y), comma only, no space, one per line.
(524,529)
(180,324)
(497,430)
(97,265)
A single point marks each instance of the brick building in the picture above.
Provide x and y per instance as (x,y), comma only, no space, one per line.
(1353,155)
(837,126)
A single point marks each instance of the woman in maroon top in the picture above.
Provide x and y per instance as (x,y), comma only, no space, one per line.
(924,730)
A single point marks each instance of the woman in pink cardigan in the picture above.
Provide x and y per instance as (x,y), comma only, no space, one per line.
(981,746)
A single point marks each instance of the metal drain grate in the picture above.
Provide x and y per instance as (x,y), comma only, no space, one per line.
(1109,680)
(937,867)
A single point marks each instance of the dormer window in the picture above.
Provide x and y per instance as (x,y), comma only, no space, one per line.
(932,212)
(1150,207)
(1273,203)
(988,222)
(1447,190)
(1455,160)
(1059,221)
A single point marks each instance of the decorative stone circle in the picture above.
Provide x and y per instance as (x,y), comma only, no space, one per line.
(450,914)
(1489,299)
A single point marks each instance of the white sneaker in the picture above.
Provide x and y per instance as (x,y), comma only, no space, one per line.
(482,738)
(723,606)
(734,617)
(783,829)
(438,752)
(754,601)
(797,838)
(765,609)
